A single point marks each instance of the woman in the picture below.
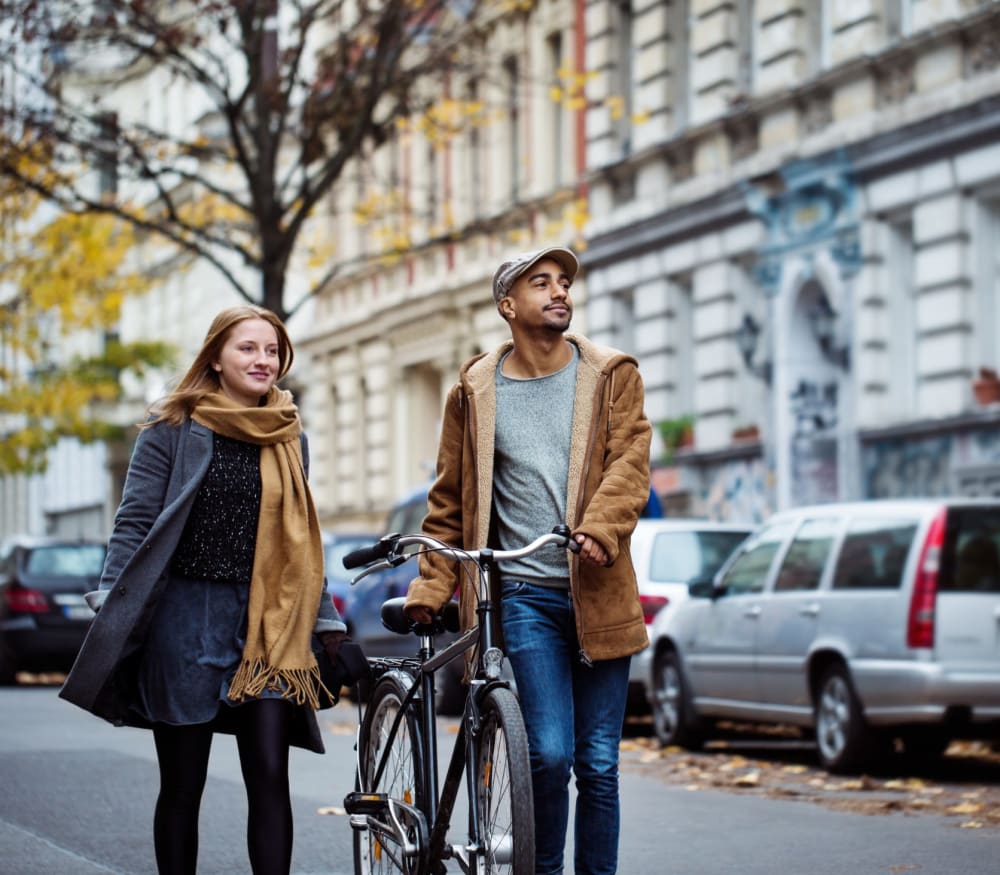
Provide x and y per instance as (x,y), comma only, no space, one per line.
(213,589)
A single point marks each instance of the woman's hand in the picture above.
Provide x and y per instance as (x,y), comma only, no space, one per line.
(331,642)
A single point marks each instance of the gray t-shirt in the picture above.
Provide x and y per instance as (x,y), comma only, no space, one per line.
(534,421)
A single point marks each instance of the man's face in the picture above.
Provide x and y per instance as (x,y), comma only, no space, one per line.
(540,298)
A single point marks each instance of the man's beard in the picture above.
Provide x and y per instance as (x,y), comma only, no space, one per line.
(562,325)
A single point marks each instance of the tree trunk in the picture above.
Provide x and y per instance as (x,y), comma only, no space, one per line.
(273,286)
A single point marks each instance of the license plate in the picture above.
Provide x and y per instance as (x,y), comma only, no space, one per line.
(77,612)
(74,607)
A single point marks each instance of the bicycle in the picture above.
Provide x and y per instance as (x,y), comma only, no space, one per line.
(400,817)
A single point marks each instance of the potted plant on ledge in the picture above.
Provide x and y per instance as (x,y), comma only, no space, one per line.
(746,433)
(986,387)
(676,433)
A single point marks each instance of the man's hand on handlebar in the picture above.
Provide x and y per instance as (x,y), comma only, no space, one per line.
(592,551)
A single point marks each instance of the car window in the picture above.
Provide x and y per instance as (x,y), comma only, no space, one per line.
(749,570)
(69,560)
(971,559)
(333,557)
(803,565)
(408,518)
(684,557)
(874,554)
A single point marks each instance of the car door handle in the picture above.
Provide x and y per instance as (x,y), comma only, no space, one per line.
(752,613)
(811,610)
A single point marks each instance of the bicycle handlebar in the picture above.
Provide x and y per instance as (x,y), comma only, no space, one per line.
(366,555)
(387,549)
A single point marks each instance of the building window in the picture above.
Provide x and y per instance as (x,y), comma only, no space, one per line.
(513,128)
(622,99)
(557,127)
(474,148)
(745,46)
(679,29)
(987,279)
(681,313)
(107,154)
(818,34)
(901,323)
(898,21)
(433,191)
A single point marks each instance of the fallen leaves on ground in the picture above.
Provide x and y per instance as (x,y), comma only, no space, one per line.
(964,785)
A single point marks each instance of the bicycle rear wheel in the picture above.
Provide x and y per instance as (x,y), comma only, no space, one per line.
(503,787)
(401,778)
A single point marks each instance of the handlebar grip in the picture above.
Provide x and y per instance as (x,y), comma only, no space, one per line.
(366,555)
(571,545)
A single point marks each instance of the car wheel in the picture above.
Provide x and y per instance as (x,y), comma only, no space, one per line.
(842,737)
(673,716)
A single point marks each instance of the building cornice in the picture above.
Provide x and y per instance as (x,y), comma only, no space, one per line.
(920,142)
(969,421)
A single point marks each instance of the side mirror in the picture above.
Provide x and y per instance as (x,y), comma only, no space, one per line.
(702,588)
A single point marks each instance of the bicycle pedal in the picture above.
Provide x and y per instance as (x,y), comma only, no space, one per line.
(365,804)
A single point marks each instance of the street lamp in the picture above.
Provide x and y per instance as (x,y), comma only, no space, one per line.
(747,337)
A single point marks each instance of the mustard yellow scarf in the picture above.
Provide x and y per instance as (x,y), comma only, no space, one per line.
(287,579)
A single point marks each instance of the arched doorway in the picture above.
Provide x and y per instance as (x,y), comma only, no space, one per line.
(813,399)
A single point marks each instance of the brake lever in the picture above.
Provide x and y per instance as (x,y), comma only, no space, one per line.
(381,565)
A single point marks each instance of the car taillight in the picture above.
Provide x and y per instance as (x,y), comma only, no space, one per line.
(920,625)
(338,603)
(652,605)
(22,600)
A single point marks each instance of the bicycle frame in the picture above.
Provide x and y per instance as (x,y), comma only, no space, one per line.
(434,821)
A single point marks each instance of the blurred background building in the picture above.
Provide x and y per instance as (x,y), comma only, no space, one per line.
(789,210)
(792,220)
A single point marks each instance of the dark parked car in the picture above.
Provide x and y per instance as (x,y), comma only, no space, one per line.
(363,608)
(43,615)
(336,545)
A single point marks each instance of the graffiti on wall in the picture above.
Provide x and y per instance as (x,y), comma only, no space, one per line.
(738,491)
(908,467)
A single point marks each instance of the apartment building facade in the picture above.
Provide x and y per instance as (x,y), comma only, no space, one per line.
(792,220)
(789,210)
(798,238)
(386,339)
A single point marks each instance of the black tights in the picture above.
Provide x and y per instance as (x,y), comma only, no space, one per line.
(262,730)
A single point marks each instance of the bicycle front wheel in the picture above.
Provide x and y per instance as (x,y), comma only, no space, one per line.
(375,853)
(503,787)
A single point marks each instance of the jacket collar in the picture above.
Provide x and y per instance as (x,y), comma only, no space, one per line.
(479,373)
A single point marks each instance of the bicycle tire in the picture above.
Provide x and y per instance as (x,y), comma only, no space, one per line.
(402,777)
(503,787)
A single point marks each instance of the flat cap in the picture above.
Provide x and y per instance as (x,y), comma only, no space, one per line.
(508,272)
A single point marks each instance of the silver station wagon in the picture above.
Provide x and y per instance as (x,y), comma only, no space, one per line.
(867,622)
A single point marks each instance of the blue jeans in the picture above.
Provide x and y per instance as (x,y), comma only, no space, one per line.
(573,714)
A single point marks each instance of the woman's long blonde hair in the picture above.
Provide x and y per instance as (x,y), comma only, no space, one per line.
(201,378)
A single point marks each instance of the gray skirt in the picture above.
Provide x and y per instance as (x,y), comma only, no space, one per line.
(192,650)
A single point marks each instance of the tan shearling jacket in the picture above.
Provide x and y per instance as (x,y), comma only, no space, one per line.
(607,490)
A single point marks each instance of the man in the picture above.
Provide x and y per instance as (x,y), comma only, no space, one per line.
(550,429)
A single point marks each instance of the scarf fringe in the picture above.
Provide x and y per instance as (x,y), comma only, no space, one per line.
(299,685)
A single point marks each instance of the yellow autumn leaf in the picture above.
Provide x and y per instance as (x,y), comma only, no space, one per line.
(750,779)
(966,808)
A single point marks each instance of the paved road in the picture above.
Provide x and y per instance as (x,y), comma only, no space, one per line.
(76,797)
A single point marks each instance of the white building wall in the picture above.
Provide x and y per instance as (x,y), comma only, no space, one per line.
(771,85)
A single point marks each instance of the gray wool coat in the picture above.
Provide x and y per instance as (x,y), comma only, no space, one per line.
(168,465)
